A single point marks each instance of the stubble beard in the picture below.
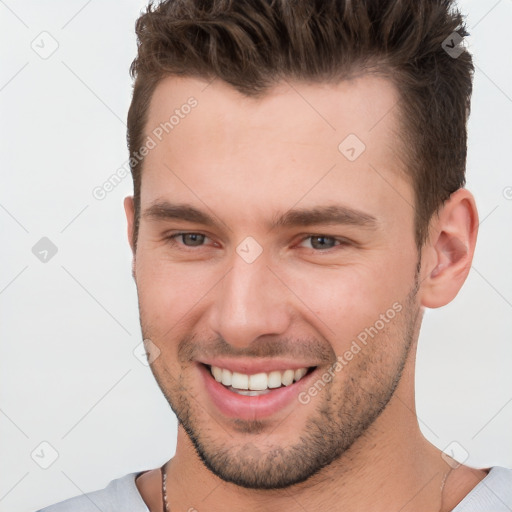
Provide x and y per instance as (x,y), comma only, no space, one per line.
(342,415)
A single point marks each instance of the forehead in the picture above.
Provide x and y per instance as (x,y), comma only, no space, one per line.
(295,112)
(296,142)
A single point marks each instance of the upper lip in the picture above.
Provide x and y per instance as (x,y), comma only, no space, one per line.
(251,366)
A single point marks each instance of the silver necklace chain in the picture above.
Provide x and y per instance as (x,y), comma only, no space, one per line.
(167,509)
(164,490)
(442,487)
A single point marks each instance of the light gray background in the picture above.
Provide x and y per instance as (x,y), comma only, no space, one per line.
(69,326)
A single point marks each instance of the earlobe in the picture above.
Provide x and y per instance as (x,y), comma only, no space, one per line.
(451,249)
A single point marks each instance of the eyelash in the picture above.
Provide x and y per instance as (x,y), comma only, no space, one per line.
(339,241)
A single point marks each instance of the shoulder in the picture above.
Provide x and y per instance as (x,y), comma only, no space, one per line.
(119,494)
(494,493)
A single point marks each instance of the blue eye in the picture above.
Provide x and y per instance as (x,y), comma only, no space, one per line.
(189,239)
(322,242)
(318,243)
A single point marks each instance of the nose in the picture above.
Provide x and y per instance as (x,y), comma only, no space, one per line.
(249,302)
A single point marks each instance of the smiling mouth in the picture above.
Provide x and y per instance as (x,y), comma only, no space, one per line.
(259,383)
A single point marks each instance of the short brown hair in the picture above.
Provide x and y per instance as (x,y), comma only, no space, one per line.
(253,44)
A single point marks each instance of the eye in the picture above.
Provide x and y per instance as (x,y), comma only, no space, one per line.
(322,242)
(189,239)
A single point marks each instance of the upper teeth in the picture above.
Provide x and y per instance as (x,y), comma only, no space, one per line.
(257,381)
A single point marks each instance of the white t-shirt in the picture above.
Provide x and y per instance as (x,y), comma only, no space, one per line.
(492,494)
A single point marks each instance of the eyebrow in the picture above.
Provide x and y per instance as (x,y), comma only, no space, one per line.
(163,210)
(331,214)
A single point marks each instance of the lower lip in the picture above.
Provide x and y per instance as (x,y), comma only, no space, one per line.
(233,405)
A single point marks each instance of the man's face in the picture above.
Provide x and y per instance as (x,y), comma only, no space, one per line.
(270,283)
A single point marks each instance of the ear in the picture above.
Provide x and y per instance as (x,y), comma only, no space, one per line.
(449,250)
(130,219)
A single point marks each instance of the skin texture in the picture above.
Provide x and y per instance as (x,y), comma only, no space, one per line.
(245,161)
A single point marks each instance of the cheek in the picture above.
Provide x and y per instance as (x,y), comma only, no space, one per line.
(344,301)
(169,292)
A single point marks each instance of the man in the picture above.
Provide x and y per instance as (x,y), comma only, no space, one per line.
(298,201)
